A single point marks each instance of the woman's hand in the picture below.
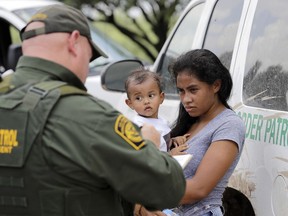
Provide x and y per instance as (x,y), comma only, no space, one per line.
(179,150)
(180,140)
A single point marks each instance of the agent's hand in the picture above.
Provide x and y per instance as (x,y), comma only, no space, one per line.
(140,210)
(150,133)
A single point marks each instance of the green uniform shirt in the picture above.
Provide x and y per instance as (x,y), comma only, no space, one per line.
(93,148)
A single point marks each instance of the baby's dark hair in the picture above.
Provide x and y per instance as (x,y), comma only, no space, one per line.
(140,75)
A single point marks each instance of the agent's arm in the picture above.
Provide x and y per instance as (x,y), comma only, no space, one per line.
(133,166)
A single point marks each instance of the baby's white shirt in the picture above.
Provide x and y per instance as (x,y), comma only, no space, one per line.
(161,126)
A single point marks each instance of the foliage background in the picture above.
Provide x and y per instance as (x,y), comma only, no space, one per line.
(140,26)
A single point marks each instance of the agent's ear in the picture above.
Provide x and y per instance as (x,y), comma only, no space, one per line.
(129,103)
(73,41)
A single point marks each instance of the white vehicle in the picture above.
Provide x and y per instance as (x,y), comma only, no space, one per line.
(251,39)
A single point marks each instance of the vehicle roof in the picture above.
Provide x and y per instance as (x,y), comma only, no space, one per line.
(12,5)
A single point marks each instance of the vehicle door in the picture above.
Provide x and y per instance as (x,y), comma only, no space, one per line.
(260,76)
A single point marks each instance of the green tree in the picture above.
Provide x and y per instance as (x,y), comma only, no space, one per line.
(145,23)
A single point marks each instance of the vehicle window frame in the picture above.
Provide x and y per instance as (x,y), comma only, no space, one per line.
(218,8)
(162,57)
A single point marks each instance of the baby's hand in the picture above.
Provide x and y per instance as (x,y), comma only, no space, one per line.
(179,140)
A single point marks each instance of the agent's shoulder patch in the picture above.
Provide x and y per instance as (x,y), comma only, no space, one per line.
(125,129)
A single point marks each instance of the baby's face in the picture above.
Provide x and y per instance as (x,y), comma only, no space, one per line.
(145,98)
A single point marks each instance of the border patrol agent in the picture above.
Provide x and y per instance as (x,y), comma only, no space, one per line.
(63,152)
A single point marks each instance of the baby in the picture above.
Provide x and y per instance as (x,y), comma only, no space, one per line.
(145,95)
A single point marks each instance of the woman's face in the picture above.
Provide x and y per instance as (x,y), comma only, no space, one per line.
(197,97)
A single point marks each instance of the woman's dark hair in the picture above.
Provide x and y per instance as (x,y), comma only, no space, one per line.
(206,67)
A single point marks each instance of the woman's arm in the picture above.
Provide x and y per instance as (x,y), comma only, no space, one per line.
(215,163)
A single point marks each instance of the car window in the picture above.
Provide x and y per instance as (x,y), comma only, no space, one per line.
(266,71)
(222,29)
(114,51)
(181,42)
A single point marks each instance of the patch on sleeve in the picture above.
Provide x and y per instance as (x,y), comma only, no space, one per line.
(125,129)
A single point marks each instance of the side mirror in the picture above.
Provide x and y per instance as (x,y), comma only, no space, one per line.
(114,76)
